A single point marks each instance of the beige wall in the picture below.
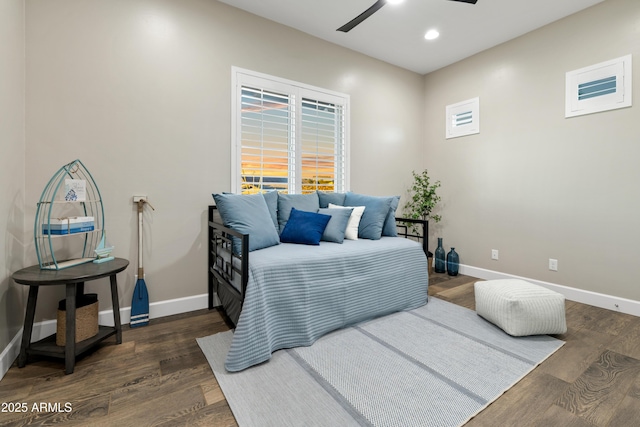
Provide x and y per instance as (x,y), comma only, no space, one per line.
(533,184)
(12,232)
(140,92)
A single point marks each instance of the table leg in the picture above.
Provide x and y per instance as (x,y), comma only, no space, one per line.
(70,344)
(116,308)
(28,325)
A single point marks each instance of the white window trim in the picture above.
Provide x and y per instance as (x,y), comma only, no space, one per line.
(241,76)
(473,127)
(619,67)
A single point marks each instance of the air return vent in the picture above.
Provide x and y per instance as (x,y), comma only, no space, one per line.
(463,118)
(600,87)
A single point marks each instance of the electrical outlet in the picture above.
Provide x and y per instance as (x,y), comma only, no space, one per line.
(553,264)
(494,254)
(136,199)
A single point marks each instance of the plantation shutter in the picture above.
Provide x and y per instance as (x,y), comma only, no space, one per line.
(287,136)
(266,125)
(321,147)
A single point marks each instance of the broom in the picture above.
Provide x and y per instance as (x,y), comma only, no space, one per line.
(140,301)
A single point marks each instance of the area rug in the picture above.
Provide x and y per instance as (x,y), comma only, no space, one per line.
(437,365)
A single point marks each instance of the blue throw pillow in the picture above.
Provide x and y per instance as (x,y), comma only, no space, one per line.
(389,228)
(305,228)
(271,197)
(248,214)
(375,213)
(302,202)
(337,225)
(325,198)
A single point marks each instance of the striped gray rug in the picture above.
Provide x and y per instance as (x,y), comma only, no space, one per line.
(437,365)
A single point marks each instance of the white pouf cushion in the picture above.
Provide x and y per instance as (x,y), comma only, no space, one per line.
(521,308)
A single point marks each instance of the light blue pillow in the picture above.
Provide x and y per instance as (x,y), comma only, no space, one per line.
(325,198)
(302,202)
(248,214)
(304,227)
(337,224)
(375,213)
(389,228)
(271,197)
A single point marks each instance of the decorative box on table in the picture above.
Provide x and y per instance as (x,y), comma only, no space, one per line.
(69,225)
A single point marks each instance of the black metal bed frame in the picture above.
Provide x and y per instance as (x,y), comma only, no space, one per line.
(223,261)
(403,231)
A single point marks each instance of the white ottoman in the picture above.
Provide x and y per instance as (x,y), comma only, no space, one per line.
(521,308)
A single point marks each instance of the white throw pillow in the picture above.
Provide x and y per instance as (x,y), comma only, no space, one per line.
(351,232)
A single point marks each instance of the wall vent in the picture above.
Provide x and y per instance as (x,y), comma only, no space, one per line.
(600,87)
(463,118)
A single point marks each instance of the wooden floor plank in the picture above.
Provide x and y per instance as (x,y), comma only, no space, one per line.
(215,415)
(599,319)
(442,281)
(133,395)
(579,352)
(177,363)
(635,389)
(628,341)
(98,378)
(107,350)
(556,416)
(212,391)
(165,409)
(15,391)
(598,392)
(462,295)
(523,404)
(627,413)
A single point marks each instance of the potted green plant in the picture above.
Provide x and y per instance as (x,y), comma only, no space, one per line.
(423,199)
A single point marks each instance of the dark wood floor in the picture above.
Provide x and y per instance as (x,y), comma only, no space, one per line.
(159,376)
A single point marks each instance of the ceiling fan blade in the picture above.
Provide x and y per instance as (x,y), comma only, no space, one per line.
(364,15)
(373,9)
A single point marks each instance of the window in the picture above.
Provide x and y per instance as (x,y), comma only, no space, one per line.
(287,136)
(600,87)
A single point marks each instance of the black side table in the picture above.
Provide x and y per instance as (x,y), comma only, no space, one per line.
(73,278)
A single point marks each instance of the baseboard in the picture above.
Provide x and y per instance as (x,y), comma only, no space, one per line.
(158,309)
(48,327)
(10,353)
(609,302)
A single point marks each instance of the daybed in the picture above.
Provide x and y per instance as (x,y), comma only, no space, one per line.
(283,295)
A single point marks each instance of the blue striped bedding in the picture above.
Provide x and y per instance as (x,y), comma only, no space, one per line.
(297,293)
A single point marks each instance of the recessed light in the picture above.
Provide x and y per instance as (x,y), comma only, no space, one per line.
(432,35)
(394,1)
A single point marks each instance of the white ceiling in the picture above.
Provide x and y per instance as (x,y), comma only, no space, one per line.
(395,33)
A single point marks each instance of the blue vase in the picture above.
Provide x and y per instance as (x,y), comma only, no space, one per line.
(440,266)
(453,262)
